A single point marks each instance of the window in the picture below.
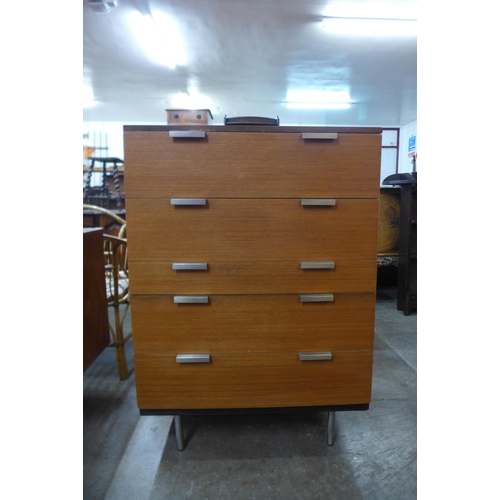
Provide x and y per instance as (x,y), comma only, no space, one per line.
(390,153)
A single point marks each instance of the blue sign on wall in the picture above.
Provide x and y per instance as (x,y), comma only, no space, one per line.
(412,143)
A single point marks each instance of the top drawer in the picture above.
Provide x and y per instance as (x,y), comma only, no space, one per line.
(251,164)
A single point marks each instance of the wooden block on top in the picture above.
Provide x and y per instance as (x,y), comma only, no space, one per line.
(189,116)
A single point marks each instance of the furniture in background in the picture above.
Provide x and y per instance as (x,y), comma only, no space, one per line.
(253,260)
(388,237)
(407,251)
(117,293)
(112,221)
(95,309)
(110,193)
(388,223)
(114,271)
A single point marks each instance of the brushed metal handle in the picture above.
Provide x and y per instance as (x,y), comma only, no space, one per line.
(187,134)
(315,356)
(190,266)
(188,201)
(318,202)
(193,358)
(190,299)
(317,297)
(321,136)
(317,265)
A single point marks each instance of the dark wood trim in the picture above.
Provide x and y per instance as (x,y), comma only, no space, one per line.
(252,128)
(258,411)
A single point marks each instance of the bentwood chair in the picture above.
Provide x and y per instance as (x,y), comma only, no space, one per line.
(122,225)
(117,292)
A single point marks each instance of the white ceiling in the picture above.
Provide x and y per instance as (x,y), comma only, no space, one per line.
(245,55)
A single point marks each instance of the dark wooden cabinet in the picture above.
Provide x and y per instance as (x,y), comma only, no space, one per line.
(95,306)
(407,262)
(407,272)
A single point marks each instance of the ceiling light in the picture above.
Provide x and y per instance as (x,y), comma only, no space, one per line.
(372,9)
(318,99)
(317,105)
(159,36)
(370,26)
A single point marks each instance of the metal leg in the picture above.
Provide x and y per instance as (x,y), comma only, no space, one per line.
(330,425)
(178,432)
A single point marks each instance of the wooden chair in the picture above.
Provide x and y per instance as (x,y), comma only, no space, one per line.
(117,293)
(121,222)
(117,287)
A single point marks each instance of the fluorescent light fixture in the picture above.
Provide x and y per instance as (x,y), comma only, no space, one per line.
(160,38)
(381,9)
(370,26)
(317,99)
(317,105)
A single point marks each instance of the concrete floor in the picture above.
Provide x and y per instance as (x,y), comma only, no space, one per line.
(128,457)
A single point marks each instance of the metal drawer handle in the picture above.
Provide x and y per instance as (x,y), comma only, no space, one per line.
(319,136)
(188,201)
(315,356)
(317,297)
(193,358)
(318,202)
(190,266)
(190,299)
(187,134)
(317,265)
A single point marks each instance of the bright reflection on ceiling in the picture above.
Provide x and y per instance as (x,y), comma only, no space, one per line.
(318,99)
(159,37)
(191,100)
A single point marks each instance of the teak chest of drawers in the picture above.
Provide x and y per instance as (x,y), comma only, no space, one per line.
(252,260)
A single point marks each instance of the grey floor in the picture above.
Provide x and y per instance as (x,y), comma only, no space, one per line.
(129,457)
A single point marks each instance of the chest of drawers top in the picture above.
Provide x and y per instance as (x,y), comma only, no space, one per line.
(251,161)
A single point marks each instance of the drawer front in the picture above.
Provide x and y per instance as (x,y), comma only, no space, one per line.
(232,164)
(272,323)
(251,380)
(252,277)
(251,230)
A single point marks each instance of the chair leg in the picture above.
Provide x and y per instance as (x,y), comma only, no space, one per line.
(179,436)
(121,359)
(330,425)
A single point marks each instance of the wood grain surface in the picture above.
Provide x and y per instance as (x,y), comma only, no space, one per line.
(251,230)
(268,165)
(253,278)
(271,323)
(253,380)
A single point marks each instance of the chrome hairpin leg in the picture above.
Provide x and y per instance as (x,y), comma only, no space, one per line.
(179,437)
(330,425)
